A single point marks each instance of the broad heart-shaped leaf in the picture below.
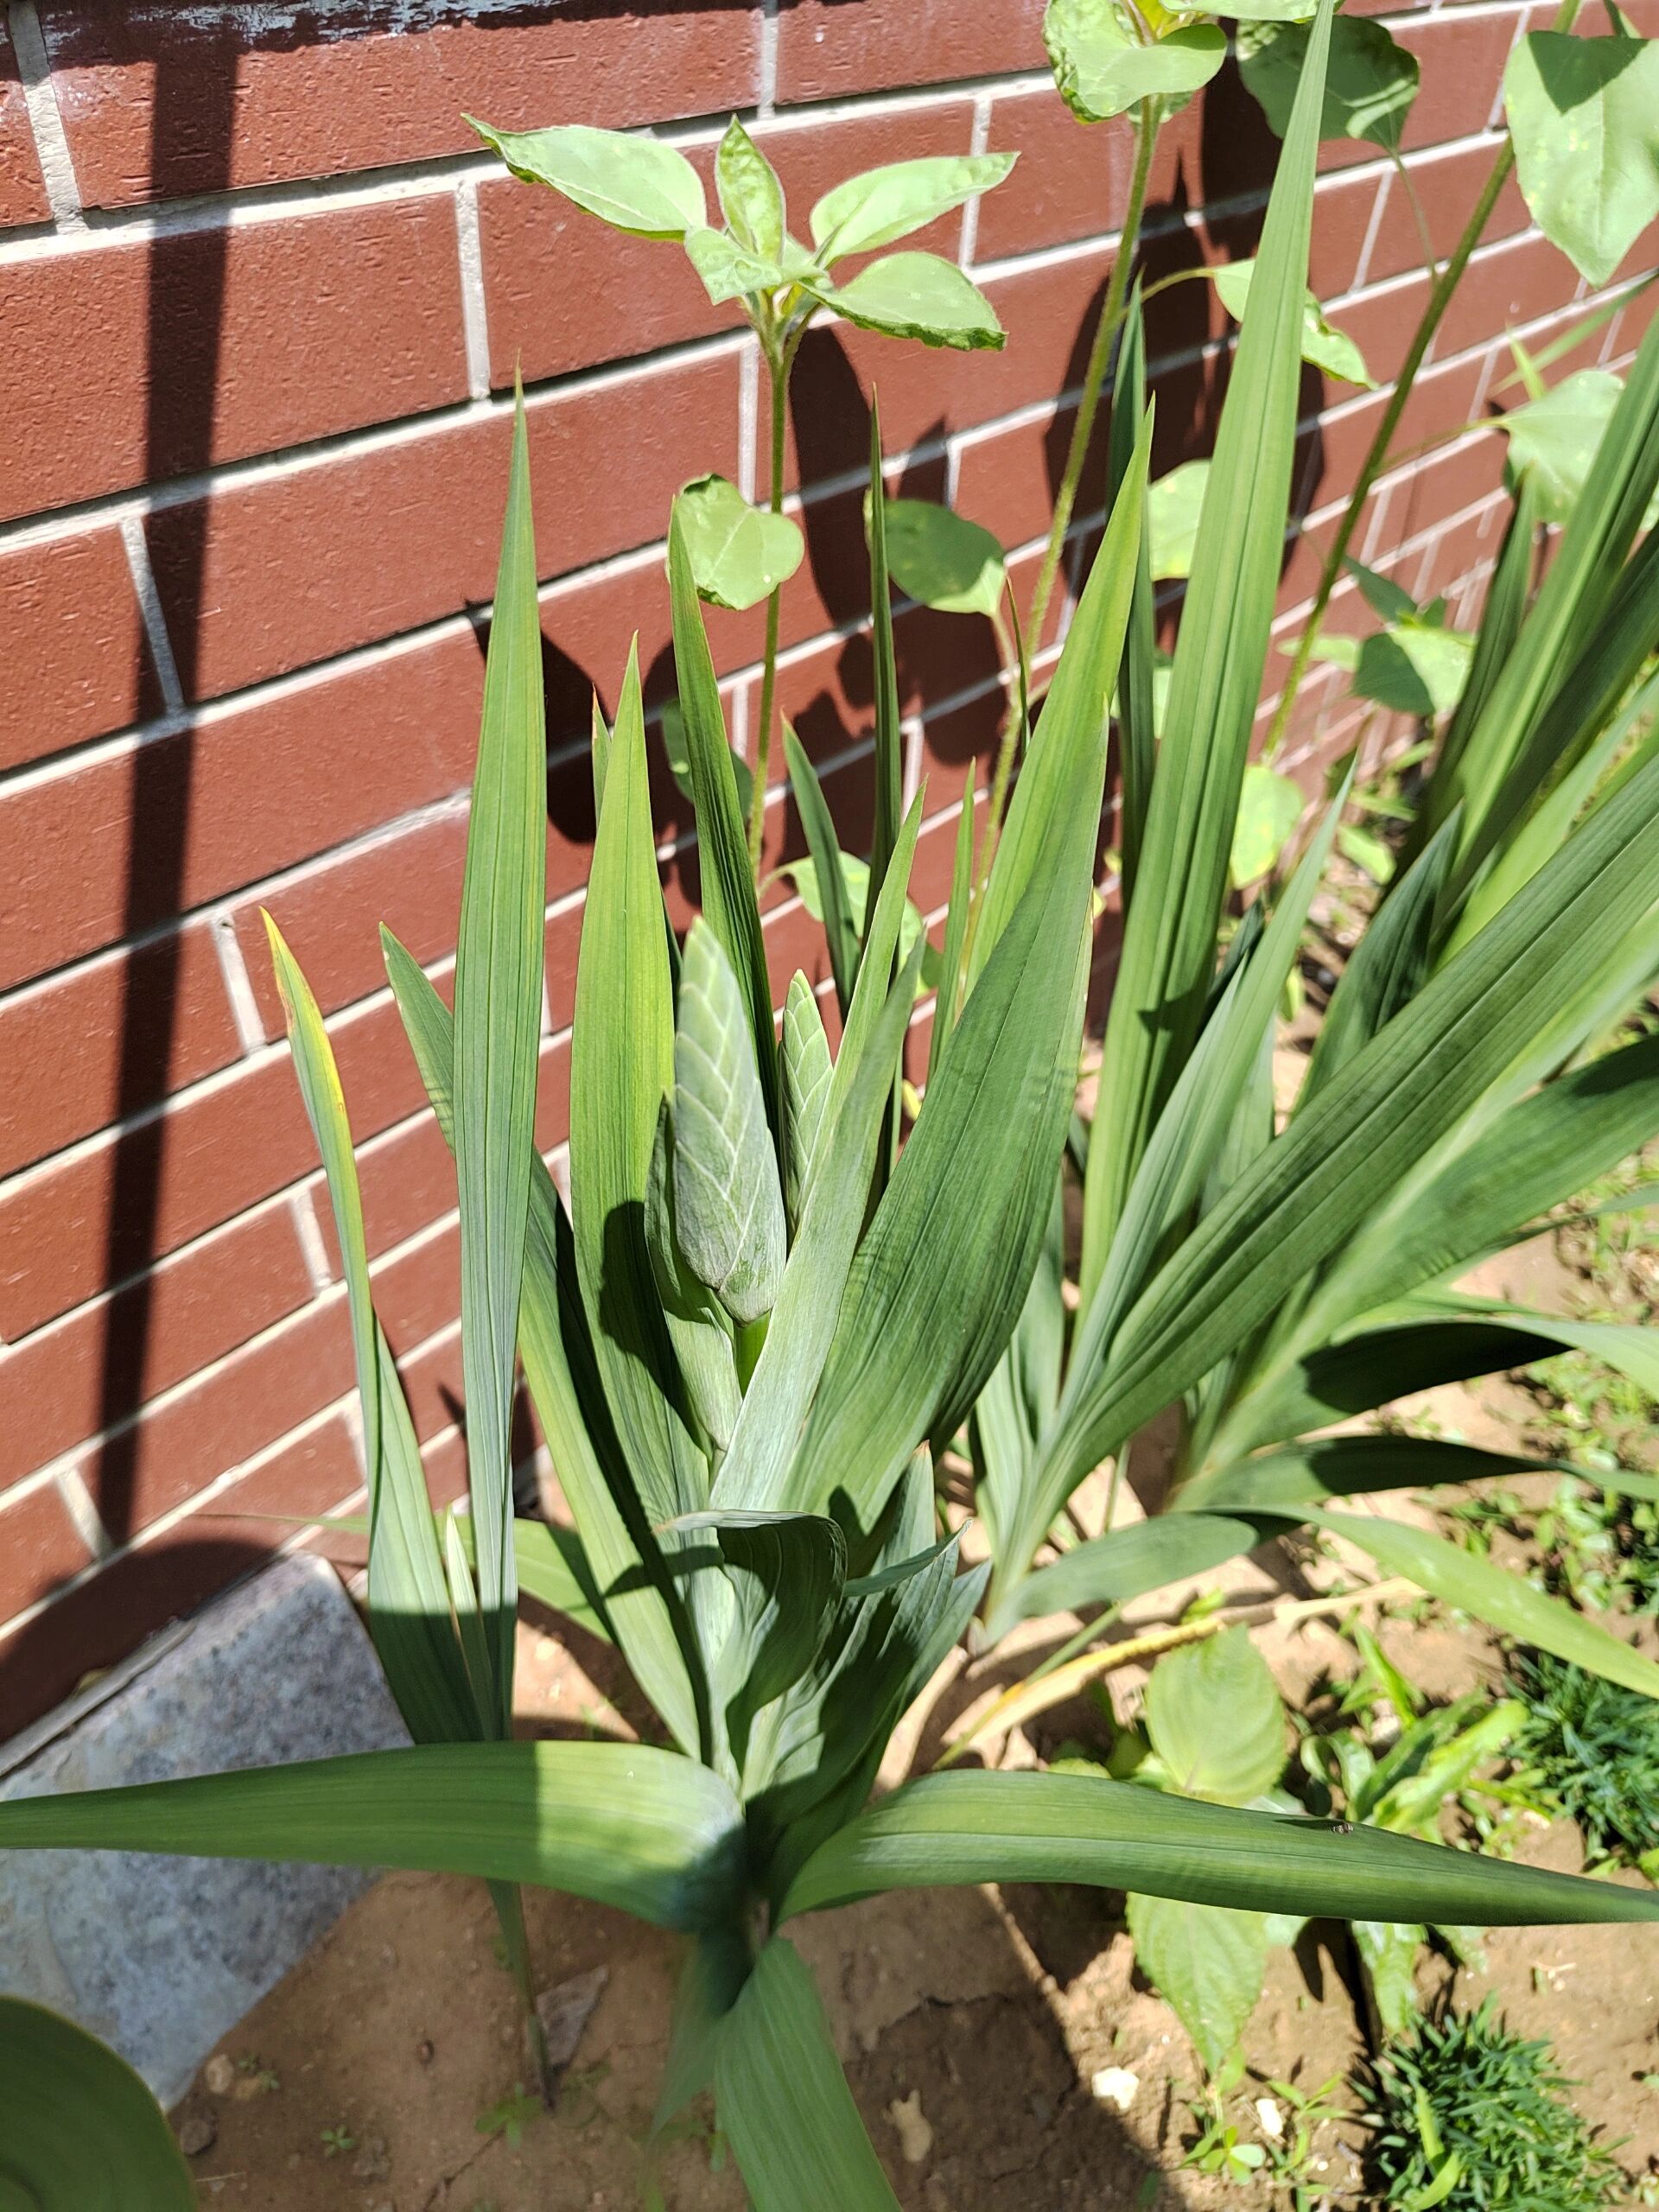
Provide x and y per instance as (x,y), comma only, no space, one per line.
(942,559)
(874,209)
(498,962)
(729,1209)
(751,197)
(1415,668)
(1174,505)
(1554,439)
(1103,68)
(1370,83)
(82,2132)
(1272,11)
(1206,1961)
(963,1827)
(1269,807)
(781,2100)
(739,553)
(623,1824)
(677,750)
(1583,116)
(916,295)
(633,183)
(1216,1720)
(1323,347)
(806,1070)
(1494,1594)
(728,270)
(854,875)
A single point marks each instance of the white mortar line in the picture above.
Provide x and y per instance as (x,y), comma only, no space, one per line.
(45,117)
(137,549)
(239,985)
(474,315)
(978,141)
(78,1504)
(766,61)
(309,1230)
(749,417)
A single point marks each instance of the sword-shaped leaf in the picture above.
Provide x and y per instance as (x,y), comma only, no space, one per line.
(83,2132)
(498,960)
(729,1209)
(1062,1827)
(409,1601)
(624,1824)
(782,2100)
(1345,1466)
(841,928)
(1169,941)
(697,1322)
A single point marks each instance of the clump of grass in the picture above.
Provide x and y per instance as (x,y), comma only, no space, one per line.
(1471,2115)
(1592,1747)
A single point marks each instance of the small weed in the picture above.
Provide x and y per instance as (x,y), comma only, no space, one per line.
(1469,2115)
(337,2141)
(1591,1749)
(511,2116)
(254,2068)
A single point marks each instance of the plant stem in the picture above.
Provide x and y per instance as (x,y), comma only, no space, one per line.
(777,360)
(1148,115)
(1376,459)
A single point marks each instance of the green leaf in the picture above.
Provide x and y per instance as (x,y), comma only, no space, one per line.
(855,878)
(807,1072)
(633,183)
(498,1032)
(408,1602)
(782,2100)
(882,204)
(726,880)
(676,751)
(835,908)
(1417,667)
(1272,11)
(942,559)
(1323,347)
(889,746)
(1103,68)
(916,295)
(1391,1957)
(1169,944)
(1583,116)
(729,1209)
(739,553)
(751,197)
(728,270)
(623,1824)
(1208,1962)
(1137,679)
(562,1367)
(955,930)
(1174,505)
(1495,1595)
(697,1325)
(82,2130)
(1345,1466)
(1126,1563)
(1555,440)
(1269,807)
(785,1572)
(963,1827)
(1216,1720)
(1370,85)
(622,1069)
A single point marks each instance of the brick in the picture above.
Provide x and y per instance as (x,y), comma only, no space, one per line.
(161,103)
(39,1548)
(102,848)
(93,1369)
(1517,283)
(108,1209)
(1383,325)
(23,188)
(272,332)
(104,1618)
(1440,400)
(408,1180)
(1343,208)
(826,50)
(109,1039)
(1447,186)
(77,663)
(261,1392)
(269,574)
(1461,53)
(1071,180)
(331,913)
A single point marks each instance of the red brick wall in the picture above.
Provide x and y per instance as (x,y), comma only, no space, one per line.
(262,298)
